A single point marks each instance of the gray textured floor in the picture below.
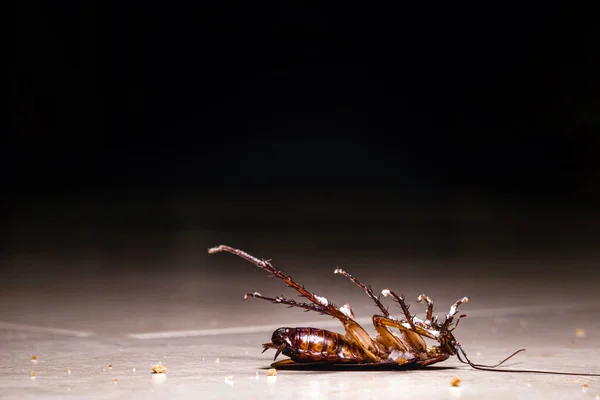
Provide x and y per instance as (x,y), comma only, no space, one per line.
(209,339)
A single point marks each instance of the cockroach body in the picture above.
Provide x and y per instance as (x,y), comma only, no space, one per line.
(314,345)
(404,349)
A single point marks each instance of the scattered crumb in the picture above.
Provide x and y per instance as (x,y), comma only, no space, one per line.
(32,374)
(229,380)
(69,371)
(33,358)
(217,360)
(109,366)
(455,381)
(271,372)
(256,374)
(580,333)
(133,370)
(165,356)
(478,353)
(103,369)
(584,388)
(116,380)
(158,369)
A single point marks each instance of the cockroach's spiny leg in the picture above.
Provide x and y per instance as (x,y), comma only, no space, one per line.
(367,290)
(288,302)
(400,300)
(424,299)
(328,308)
(453,311)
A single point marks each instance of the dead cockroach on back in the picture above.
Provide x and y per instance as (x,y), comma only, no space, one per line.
(404,350)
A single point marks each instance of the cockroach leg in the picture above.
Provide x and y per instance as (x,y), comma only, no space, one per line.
(367,290)
(322,303)
(429,316)
(410,339)
(290,302)
(453,311)
(403,306)
(355,332)
(387,338)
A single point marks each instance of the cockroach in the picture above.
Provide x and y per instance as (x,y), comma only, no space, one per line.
(406,349)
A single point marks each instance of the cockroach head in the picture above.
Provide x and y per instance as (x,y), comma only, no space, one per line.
(448,343)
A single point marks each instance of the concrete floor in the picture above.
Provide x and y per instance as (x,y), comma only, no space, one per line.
(209,339)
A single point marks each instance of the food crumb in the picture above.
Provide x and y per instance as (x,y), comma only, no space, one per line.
(133,370)
(455,381)
(109,366)
(584,388)
(116,380)
(32,374)
(256,374)
(580,333)
(69,371)
(34,358)
(217,360)
(229,380)
(271,372)
(158,368)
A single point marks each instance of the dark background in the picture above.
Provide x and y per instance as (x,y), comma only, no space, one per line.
(144,132)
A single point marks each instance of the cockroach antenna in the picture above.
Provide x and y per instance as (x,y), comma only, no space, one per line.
(481,366)
(493,367)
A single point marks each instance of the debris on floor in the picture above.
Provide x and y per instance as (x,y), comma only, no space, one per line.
(158,369)
(455,381)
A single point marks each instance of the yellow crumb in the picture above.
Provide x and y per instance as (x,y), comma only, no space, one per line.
(33,374)
(33,358)
(584,388)
(158,369)
(580,333)
(272,372)
(455,381)
(109,366)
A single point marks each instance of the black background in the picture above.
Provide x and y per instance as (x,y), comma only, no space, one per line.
(385,123)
